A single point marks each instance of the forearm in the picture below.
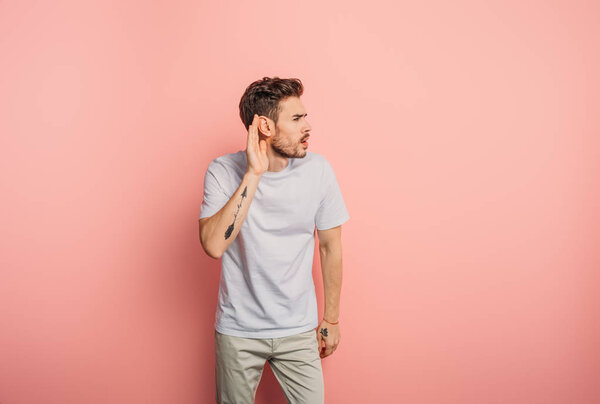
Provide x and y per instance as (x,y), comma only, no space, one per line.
(331,267)
(221,229)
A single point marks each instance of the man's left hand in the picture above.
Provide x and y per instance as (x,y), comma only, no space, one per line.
(330,335)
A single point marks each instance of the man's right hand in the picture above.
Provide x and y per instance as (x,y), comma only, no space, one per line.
(256,151)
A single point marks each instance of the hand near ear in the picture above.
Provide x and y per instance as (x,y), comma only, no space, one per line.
(256,151)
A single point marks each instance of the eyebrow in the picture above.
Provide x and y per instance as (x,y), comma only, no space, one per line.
(298,115)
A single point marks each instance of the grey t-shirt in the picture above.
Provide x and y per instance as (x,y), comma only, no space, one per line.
(266,288)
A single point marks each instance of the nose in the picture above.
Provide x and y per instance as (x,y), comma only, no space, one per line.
(308,127)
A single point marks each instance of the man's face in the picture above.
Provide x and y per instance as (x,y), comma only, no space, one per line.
(291,130)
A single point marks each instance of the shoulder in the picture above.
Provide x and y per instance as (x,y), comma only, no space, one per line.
(228,162)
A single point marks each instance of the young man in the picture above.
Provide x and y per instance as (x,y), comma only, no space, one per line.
(259,212)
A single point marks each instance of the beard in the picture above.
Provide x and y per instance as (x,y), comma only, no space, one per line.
(287,148)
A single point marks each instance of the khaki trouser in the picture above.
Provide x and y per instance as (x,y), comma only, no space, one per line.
(295,361)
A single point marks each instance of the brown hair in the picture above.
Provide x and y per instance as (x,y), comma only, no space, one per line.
(262,97)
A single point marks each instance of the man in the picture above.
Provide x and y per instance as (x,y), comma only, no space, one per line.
(259,213)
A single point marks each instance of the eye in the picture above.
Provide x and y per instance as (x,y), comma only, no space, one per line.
(295,119)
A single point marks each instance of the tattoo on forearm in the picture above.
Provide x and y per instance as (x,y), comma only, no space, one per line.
(230,228)
(324,331)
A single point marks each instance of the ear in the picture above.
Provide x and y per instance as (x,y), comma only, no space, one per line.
(264,125)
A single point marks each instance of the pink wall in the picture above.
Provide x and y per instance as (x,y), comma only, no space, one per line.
(465,136)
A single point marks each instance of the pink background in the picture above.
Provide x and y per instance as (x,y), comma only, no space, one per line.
(465,138)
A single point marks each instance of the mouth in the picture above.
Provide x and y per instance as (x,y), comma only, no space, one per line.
(304,141)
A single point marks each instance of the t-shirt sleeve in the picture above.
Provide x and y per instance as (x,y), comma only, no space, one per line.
(332,211)
(215,196)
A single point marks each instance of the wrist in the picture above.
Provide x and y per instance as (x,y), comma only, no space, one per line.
(252,176)
(331,322)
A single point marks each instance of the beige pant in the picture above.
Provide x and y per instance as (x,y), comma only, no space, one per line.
(295,361)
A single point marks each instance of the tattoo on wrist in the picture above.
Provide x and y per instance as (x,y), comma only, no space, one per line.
(229,230)
(324,331)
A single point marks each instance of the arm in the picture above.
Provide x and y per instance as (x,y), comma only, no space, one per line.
(330,249)
(218,231)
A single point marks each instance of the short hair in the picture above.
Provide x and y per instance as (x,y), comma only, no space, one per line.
(262,97)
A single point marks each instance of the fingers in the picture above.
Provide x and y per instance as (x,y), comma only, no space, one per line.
(263,147)
(327,350)
(252,138)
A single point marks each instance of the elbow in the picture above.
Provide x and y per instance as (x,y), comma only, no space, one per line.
(213,253)
(330,247)
(207,247)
